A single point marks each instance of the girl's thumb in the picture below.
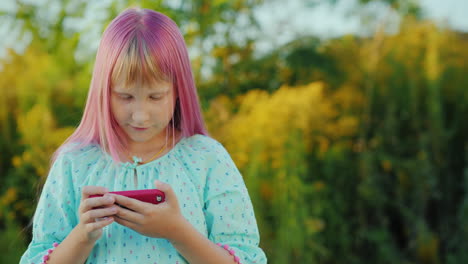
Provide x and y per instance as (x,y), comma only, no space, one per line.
(160,185)
(166,188)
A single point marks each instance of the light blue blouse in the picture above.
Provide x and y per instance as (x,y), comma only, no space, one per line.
(211,193)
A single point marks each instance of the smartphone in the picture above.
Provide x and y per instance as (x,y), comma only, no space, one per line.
(153,196)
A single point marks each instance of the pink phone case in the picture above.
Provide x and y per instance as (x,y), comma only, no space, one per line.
(153,196)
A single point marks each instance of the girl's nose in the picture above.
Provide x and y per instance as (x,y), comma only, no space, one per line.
(140,116)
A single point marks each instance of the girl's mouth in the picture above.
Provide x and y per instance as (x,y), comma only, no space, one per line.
(140,128)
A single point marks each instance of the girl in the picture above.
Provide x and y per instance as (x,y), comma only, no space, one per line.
(142,129)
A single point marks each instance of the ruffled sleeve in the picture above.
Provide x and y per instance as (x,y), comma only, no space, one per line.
(55,214)
(228,209)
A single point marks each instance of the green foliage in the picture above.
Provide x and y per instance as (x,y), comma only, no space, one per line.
(354,150)
(13,243)
(238,69)
(393,191)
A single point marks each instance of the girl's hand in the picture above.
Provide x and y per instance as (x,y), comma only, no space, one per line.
(161,220)
(91,209)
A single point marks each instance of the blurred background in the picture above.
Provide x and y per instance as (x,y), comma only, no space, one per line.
(347,118)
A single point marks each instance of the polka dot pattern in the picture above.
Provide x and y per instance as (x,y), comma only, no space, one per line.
(211,193)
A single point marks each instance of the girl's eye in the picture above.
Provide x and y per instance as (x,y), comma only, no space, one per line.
(156,98)
(125,97)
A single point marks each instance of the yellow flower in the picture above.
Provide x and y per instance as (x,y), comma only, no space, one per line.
(9,196)
(314,225)
(318,186)
(16,161)
(387,165)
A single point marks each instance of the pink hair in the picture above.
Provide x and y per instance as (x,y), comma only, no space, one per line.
(140,44)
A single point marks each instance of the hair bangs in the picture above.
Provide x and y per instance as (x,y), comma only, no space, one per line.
(136,64)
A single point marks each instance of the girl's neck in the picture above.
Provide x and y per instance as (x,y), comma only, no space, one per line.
(160,144)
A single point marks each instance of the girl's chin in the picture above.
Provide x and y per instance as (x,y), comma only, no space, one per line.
(143,139)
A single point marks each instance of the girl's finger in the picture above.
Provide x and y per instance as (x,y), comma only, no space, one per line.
(90,190)
(99,224)
(90,215)
(92,203)
(130,203)
(130,215)
(171,197)
(125,223)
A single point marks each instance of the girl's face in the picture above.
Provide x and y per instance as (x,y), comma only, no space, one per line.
(143,111)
